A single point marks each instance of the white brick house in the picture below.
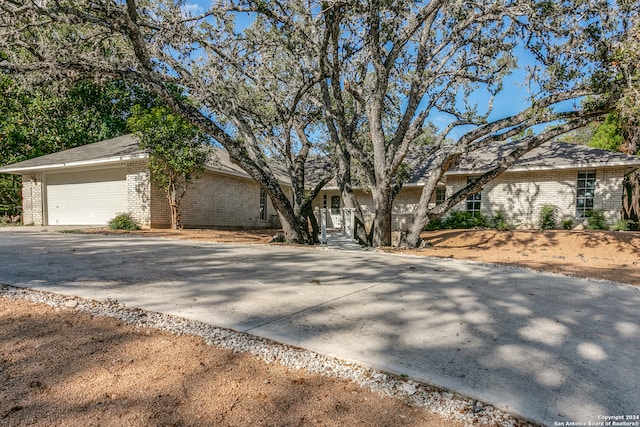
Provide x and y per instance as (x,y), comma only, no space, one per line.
(90,184)
(573,178)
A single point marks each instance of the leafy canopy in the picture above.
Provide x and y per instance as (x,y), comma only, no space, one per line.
(177,148)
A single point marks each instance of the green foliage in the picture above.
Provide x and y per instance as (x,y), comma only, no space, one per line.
(465,220)
(123,221)
(622,225)
(179,151)
(177,148)
(10,200)
(567,224)
(596,220)
(35,122)
(608,136)
(548,218)
(434,224)
(499,221)
(462,219)
(458,220)
(9,220)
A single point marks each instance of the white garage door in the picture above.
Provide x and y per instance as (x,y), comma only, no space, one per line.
(86,198)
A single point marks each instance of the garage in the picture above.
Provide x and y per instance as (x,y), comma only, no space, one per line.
(85,198)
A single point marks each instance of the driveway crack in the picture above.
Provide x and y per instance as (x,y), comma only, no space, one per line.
(295,313)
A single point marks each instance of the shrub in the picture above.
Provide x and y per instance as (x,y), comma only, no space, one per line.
(10,220)
(434,224)
(462,219)
(547,220)
(123,221)
(499,221)
(622,225)
(596,220)
(567,224)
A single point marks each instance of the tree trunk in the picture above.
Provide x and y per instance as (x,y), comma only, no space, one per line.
(315,228)
(412,238)
(421,215)
(173,207)
(295,227)
(382,201)
(295,231)
(174,216)
(349,200)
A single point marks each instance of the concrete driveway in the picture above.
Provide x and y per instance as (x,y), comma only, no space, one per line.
(546,347)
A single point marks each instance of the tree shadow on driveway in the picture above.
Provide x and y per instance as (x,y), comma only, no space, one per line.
(550,348)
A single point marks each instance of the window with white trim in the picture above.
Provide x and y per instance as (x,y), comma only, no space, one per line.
(585,193)
(441,195)
(474,201)
(263,205)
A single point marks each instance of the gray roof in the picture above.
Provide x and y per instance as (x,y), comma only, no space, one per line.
(111,150)
(122,148)
(549,156)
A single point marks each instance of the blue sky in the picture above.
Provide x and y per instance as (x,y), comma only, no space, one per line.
(512,99)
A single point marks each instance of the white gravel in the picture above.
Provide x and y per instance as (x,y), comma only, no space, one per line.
(436,400)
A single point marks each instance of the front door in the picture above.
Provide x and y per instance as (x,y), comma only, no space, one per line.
(334,213)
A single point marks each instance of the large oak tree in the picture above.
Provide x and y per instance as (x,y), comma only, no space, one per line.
(394,67)
(242,89)
(377,72)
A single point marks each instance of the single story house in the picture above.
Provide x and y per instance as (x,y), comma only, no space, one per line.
(574,178)
(90,184)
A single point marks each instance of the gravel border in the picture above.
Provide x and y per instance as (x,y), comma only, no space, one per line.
(436,400)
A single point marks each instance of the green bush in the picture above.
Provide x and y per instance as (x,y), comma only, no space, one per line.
(499,221)
(434,224)
(10,220)
(548,218)
(462,219)
(596,220)
(567,224)
(622,225)
(123,221)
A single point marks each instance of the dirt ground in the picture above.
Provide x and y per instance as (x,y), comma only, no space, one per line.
(59,367)
(609,255)
(62,368)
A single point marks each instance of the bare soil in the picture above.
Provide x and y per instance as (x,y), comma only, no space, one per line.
(607,255)
(59,367)
(63,368)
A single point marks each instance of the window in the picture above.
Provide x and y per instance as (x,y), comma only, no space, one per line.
(441,195)
(335,205)
(586,189)
(474,201)
(324,201)
(263,205)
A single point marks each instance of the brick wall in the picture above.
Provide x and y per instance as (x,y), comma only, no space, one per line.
(520,195)
(160,213)
(215,200)
(139,192)
(609,189)
(32,203)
